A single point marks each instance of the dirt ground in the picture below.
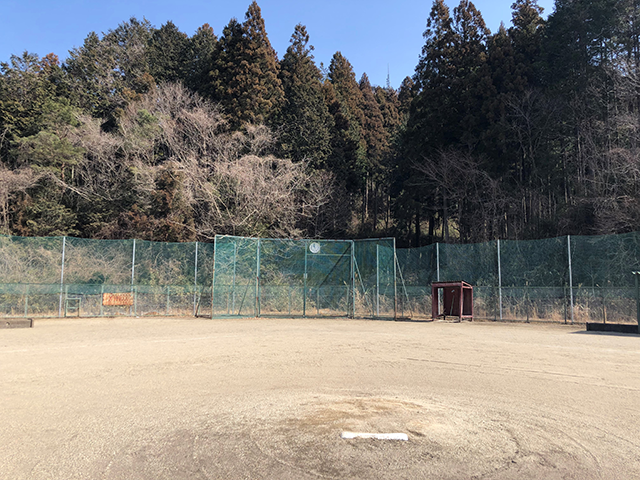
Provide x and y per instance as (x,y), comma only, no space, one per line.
(167,398)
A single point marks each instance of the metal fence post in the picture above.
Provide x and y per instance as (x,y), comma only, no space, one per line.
(635,274)
(395,282)
(133,261)
(570,275)
(213,273)
(438,274)
(257,306)
(233,280)
(304,290)
(378,279)
(353,281)
(195,281)
(64,244)
(133,272)
(499,281)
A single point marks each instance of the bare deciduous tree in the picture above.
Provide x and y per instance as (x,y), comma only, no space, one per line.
(13,181)
(226,180)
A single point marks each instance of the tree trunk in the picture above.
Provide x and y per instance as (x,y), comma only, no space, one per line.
(375,208)
(418,220)
(445,219)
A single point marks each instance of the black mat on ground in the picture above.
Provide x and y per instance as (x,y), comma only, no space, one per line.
(612,327)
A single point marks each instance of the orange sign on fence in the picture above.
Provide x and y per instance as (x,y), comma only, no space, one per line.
(117,299)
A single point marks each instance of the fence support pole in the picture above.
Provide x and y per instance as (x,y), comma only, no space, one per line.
(304,289)
(395,282)
(353,281)
(499,281)
(257,308)
(570,275)
(233,280)
(378,279)
(64,245)
(213,273)
(635,274)
(133,262)
(438,274)
(133,272)
(195,281)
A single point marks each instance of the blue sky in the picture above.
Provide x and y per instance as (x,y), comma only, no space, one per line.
(382,37)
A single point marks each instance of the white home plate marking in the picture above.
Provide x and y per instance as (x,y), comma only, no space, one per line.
(377,436)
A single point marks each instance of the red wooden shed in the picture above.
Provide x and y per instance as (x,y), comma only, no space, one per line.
(457,300)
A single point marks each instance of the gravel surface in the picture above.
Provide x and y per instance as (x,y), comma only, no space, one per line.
(167,398)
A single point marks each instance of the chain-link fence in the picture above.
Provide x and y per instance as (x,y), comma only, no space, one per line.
(564,279)
(304,277)
(63,276)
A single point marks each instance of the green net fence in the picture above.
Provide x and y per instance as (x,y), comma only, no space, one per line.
(61,276)
(564,279)
(262,277)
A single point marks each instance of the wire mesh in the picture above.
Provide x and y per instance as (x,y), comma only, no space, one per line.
(562,279)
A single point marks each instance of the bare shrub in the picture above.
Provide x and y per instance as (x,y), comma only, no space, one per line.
(228,181)
(13,181)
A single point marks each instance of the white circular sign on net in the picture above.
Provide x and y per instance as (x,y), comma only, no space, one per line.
(314,247)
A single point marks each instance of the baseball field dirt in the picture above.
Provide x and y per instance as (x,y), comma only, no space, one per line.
(185,398)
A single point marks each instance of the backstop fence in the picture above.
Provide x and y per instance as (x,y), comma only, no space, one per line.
(563,279)
(254,276)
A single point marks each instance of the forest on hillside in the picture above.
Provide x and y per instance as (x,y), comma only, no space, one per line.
(529,132)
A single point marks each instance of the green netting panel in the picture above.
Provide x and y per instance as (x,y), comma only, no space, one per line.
(32,272)
(375,277)
(536,263)
(608,304)
(603,287)
(327,266)
(29,300)
(234,278)
(158,263)
(605,260)
(308,277)
(30,259)
(485,302)
(97,261)
(417,269)
(281,276)
(534,279)
(204,279)
(418,265)
(296,277)
(474,263)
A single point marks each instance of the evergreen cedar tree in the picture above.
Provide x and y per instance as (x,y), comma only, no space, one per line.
(305,120)
(539,121)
